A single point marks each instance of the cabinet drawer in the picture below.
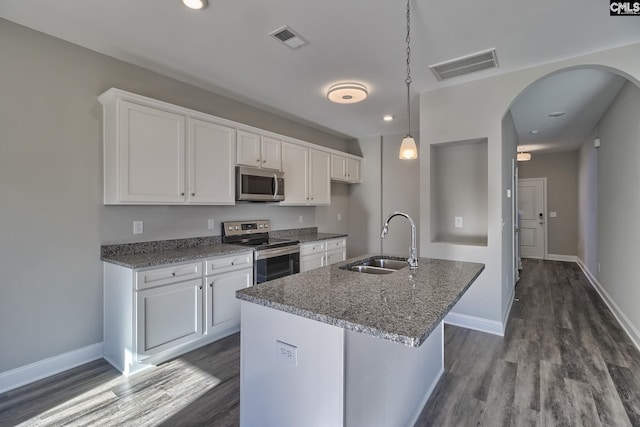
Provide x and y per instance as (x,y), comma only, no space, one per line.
(312,248)
(161,276)
(336,243)
(228,263)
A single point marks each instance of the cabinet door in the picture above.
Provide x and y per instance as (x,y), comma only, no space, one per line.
(151,158)
(223,308)
(168,316)
(311,262)
(319,177)
(338,168)
(271,153)
(336,255)
(211,150)
(248,149)
(353,170)
(296,174)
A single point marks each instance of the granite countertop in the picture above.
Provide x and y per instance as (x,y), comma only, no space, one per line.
(170,256)
(160,252)
(403,307)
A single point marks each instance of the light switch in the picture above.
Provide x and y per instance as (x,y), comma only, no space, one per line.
(211,224)
(138,227)
(553,214)
(458,222)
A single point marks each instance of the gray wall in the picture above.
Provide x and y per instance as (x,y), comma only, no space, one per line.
(561,171)
(53,220)
(619,202)
(588,205)
(389,184)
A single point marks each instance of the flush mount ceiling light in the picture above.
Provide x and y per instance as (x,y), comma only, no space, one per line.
(557,114)
(347,93)
(195,4)
(408,149)
(523,156)
(387,118)
(533,132)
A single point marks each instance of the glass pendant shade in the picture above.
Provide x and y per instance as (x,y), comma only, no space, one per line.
(408,149)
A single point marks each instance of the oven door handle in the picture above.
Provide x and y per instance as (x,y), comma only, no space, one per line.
(270,253)
(275,192)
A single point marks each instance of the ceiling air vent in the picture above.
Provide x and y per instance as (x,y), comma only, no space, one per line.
(465,65)
(289,37)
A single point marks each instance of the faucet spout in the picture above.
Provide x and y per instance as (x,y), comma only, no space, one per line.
(413,253)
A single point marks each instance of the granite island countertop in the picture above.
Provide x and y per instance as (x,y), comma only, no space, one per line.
(403,307)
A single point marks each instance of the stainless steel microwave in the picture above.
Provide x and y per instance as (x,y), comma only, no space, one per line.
(259,185)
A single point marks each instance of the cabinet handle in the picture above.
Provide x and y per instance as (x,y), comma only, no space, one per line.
(232,262)
(258,160)
(211,285)
(264,161)
(193,194)
(173,274)
(182,194)
(200,286)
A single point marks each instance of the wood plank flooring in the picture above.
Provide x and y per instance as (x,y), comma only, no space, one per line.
(563,361)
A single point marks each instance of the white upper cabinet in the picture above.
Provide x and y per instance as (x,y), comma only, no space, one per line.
(345,169)
(319,177)
(144,156)
(296,174)
(258,151)
(156,153)
(211,150)
(306,175)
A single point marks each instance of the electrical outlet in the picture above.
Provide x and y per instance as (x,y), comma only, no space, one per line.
(553,214)
(300,219)
(138,227)
(339,217)
(458,222)
(287,353)
(211,224)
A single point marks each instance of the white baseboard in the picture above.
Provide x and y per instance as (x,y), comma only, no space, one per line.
(622,319)
(476,323)
(566,258)
(44,368)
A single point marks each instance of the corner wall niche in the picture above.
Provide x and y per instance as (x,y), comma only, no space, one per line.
(459,192)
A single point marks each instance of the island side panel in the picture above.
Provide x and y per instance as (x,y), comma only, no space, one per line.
(387,384)
(278,388)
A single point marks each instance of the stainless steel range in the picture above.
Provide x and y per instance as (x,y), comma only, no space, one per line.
(273,258)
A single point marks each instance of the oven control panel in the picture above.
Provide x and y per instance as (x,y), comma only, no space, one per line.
(235,228)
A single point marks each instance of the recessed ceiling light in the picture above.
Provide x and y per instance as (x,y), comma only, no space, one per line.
(195,4)
(347,93)
(533,132)
(387,118)
(556,114)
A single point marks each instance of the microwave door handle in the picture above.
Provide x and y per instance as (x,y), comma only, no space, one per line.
(275,192)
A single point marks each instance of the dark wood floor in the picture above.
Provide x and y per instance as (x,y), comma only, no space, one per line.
(563,361)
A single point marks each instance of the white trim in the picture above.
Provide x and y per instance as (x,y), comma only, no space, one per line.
(505,315)
(622,319)
(476,323)
(45,368)
(565,258)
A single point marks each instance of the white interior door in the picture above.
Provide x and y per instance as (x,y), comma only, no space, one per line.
(532,202)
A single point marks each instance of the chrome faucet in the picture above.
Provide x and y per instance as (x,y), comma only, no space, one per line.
(413,255)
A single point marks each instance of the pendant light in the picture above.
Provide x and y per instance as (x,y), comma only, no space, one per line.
(523,156)
(408,149)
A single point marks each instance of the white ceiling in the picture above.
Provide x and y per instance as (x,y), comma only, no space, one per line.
(226,47)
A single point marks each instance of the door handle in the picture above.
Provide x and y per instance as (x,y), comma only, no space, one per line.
(275,192)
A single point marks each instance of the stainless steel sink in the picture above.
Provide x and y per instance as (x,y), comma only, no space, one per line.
(377,265)
(370,269)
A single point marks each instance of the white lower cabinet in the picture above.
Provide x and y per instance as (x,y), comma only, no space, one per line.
(155,314)
(168,316)
(223,308)
(322,253)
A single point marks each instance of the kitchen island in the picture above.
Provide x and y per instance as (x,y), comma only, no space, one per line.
(334,347)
